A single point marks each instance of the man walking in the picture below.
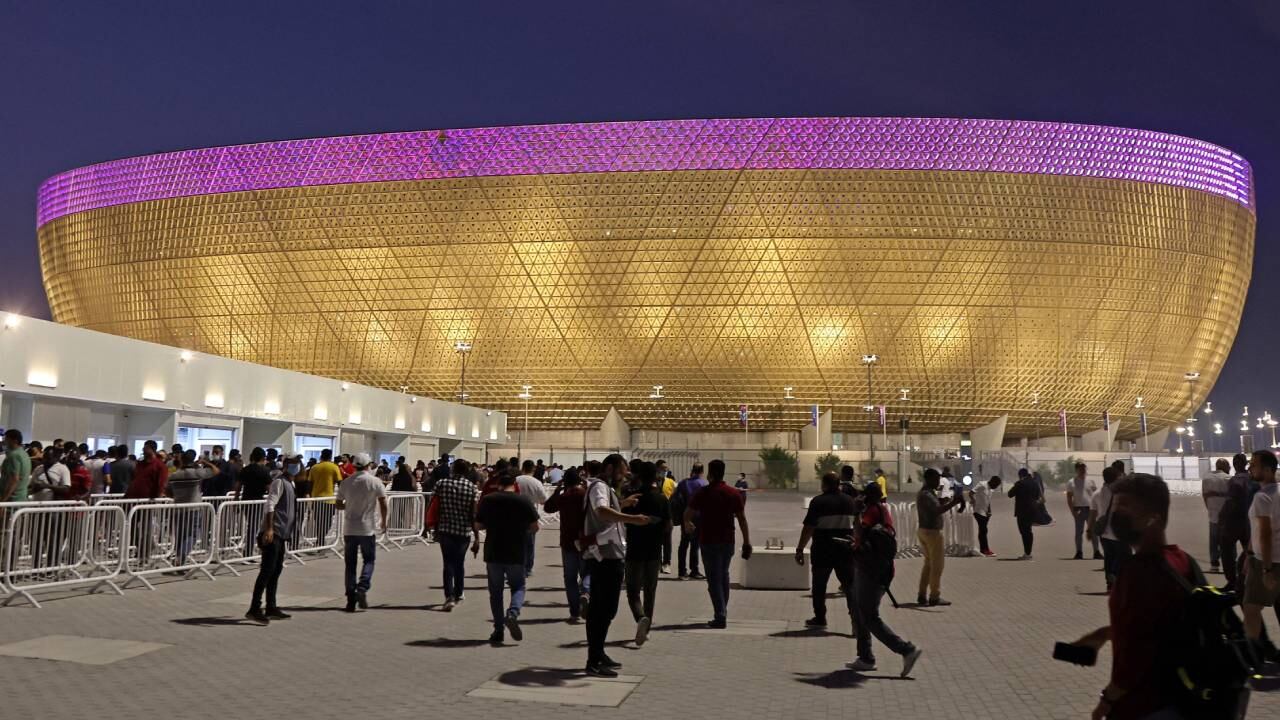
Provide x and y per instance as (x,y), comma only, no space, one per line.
(325,476)
(15,472)
(569,501)
(688,538)
(873,569)
(1262,566)
(604,554)
(980,497)
(929,512)
(644,548)
(1213,488)
(1027,496)
(508,519)
(531,487)
(829,522)
(277,528)
(455,497)
(717,505)
(359,497)
(1233,519)
(1080,490)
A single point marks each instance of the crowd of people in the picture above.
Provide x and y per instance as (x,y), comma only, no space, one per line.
(616,527)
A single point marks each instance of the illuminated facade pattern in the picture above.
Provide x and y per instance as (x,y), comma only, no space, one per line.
(983,261)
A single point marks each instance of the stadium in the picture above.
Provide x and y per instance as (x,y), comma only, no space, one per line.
(679,270)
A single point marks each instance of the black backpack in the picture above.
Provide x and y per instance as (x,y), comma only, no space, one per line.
(879,548)
(1209,659)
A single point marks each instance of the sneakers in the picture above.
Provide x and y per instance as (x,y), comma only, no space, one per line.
(816,623)
(362,599)
(351,605)
(695,575)
(642,630)
(922,600)
(458,600)
(666,570)
(909,661)
(257,616)
(1024,557)
(448,605)
(1078,556)
(988,553)
(682,576)
(718,624)
(861,665)
(596,669)
(938,602)
(277,614)
(513,626)
(496,638)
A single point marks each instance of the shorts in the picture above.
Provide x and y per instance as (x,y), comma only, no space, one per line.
(1255,592)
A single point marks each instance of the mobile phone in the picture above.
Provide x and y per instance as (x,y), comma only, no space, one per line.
(1075,654)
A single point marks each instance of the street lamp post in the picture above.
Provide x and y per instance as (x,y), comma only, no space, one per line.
(526,396)
(870,360)
(657,396)
(463,349)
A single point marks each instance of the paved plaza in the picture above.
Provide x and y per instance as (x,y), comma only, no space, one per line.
(184,650)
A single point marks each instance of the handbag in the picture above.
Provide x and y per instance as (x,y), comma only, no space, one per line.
(433,513)
(1042,516)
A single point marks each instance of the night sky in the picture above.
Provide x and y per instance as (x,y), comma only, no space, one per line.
(83,82)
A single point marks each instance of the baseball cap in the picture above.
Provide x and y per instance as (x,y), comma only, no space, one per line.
(362,459)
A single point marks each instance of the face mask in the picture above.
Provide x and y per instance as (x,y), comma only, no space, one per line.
(1123,527)
(293,469)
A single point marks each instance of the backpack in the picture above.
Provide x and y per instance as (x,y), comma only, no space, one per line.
(879,548)
(1209,659)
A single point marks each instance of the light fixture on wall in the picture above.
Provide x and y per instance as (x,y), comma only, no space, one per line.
(426,426)
(186,356)
(321,413)
(11,321)
(154,394)
(399,423)
(271,407)
(345,386)
(353,417)
(42,378)
(214,400)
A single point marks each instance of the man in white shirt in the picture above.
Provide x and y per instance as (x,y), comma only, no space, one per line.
(1080,490)
(531,487)
(50,475)
(97,476)
(1262,567)
(980,496)
(1214,490)
(361,497)
(1099,525)
(555,474)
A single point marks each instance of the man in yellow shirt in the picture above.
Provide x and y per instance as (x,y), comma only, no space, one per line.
(882,482)
(325,477)
(668,489)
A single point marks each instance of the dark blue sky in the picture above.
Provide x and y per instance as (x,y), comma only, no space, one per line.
(82,82)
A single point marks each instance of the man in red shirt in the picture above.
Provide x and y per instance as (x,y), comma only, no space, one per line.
(1146,603)
(569,500)
(716,506)
(150,475)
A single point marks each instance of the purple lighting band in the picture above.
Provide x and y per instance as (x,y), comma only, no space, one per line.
(1005,146)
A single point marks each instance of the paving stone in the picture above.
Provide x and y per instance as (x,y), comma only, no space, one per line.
(76,649)
(564,687)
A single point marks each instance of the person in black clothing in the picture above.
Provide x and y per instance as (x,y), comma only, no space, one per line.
(403,479)
(1026,506)
(1233,520)
(848,485)
(829,522)
(507,518)
(644,546)
(252,484)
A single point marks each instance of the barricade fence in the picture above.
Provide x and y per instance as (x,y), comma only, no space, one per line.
(52,546)
(317,528)
(170,538)
(406,515)
(235,535)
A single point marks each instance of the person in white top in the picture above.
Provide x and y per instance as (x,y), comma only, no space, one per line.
(1262,568)
(980,498)
(1080,490)
(1114,552)
(98,478)
(361,498)
(555,474)
(50,476)
(530,487)
(1213,488)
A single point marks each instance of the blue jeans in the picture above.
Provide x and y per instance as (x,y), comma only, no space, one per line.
(453,550)
(368,547)
(576,579)
(529,544)
(715,560)
(512,575)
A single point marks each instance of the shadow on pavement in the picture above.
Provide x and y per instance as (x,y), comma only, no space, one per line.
(447,643)
(809,633)
(1100,593)
(540,677)
(583,643)
(681,626)
(544,621)
(437,607)
(212,621)
(836,680)
(547,604)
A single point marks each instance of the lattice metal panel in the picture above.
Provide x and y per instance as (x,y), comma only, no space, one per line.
(723,260)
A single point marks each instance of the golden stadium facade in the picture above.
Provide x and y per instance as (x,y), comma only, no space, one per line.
(986,263)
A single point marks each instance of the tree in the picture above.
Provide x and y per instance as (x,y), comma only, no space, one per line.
(781,468)
(827,463)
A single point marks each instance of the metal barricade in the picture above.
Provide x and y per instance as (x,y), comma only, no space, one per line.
(50,546)
(96,498)
(906,524)
(235,534)
(960,532)
(317,528)
(168,538)
(406,516)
